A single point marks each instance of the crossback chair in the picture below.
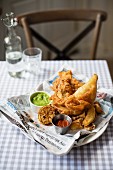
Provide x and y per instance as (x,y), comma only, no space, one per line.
(94,17)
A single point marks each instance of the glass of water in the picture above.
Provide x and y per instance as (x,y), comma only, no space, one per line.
(32,59)
(14,63)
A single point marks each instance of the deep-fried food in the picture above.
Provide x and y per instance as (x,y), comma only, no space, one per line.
(46,114)
(90,127)
(58,100)
(79,116)
(65,75)
(88,91)
(77,121)
(76,125)
(77,105)
(90,117)
(98,108)
(65,83)
(74,98)
(64,110)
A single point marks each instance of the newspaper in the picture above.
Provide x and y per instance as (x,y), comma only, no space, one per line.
(17,111)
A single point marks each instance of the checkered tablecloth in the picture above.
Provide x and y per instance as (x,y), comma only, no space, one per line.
(17,152)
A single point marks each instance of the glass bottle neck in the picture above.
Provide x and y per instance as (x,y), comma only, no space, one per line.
(11,32)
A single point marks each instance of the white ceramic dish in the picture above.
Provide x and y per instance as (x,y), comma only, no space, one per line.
(93,137)
(35,108)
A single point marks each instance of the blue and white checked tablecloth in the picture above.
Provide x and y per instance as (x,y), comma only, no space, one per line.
(17,152)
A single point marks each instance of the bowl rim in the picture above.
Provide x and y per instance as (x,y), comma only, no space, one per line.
(63,115)
(33,94)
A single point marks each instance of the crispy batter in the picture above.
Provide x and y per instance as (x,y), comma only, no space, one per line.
(90,117)
(58,100)
(46,114)
(55,84)
(82,115)
(98,108)
(74,98)
(90,127)
(75,104)
(64,110)
(88,91)
(65,75)
(76,125)
(65,83)
(77,121)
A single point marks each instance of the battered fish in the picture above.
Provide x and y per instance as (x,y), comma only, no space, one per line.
(88,91)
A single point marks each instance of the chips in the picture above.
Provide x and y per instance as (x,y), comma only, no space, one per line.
(90,116)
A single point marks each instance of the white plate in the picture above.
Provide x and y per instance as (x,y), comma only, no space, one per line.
(93,137)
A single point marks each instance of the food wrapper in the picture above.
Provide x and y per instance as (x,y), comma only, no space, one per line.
(14,110)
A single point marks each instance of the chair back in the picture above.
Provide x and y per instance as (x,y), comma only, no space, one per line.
(0,11)
(93,17)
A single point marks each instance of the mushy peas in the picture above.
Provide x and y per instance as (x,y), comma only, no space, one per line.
(41,99)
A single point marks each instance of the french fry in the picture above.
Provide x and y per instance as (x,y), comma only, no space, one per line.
(90,117)
(98,108)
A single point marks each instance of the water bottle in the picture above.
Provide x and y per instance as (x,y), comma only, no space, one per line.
(13,48)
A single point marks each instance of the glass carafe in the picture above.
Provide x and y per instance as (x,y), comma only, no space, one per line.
(13,48)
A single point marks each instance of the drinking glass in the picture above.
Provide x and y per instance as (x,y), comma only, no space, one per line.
(32,59)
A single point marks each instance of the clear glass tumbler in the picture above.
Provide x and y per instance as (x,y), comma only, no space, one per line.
(32,59)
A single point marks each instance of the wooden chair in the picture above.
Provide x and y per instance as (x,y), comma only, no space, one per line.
(94,17)
(0,10)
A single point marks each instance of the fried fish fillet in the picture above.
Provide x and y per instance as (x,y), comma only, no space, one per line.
(88,91)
